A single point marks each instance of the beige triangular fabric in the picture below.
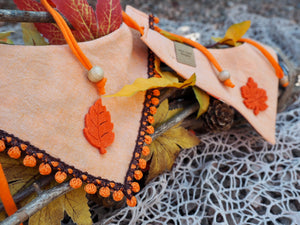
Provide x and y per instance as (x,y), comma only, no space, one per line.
(242,62)
(45,94)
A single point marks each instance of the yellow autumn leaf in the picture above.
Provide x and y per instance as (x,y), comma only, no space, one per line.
(4,37)
(203,100)
(170,36)
(52,214)
(31,36)
(17,175)
(234,33)
(73,203)
(165,148)
(142,84)
(76,205)
(166,74)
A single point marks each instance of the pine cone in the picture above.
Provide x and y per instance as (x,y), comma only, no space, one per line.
(219,116)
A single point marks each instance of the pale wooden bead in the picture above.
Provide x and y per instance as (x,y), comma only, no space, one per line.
(223,75)
(95,74)
(284,80)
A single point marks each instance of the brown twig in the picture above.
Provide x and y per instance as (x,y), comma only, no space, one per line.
(43,181)
(37,204)
(7,15)
(175,120)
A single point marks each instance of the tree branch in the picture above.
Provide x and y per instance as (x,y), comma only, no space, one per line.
(37,204)
(175,120)
(7,15)
(43,181)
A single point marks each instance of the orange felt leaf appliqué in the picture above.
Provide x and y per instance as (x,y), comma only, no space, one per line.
(255,98)
(98,127)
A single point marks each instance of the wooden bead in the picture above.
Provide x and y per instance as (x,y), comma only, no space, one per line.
(284,81)
(95,74)
(223,75)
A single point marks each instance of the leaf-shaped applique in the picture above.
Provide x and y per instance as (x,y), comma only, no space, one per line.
(98,127)
(109,15)
(142,84)
(255,98)
(234,33)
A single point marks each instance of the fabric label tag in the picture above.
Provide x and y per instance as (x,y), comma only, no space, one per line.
(184,54)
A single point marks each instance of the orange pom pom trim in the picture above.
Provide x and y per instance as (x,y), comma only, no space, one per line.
(104,192)
(153,110)
(14,152)
(23,147)
(151,119)
(155,101)
(84,177)
(60,177)
(156,92)
(75,183)
(131,202)
(8,139)
(142,164)
(29,161)
(54,164)
(138,174)
(118,195)
(45,169)
(146,150)
(148,139)
(135,187)
(90,189)
(150,130)
(39,155)
(2,146)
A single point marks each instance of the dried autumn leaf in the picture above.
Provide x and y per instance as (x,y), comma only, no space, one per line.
(17,175)
(109,15)
(166,147)
(48,30)
(203,100)
(98,127)
(170,36)
(74,203)
(31,36)
(52,214)
(82,16)
(4,37)
(234,33)
(142,84)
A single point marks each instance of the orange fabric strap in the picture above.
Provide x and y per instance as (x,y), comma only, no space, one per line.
(133,24)
(71,41)
(276,66)
(5,195)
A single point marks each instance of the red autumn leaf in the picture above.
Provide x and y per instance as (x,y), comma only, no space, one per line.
(255,97)
(109,15)
(49,30)
(98,127)
(81,15)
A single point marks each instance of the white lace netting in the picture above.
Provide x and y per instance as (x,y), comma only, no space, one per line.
(233,177)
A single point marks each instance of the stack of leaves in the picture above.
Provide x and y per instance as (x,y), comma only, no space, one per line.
(88,24)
